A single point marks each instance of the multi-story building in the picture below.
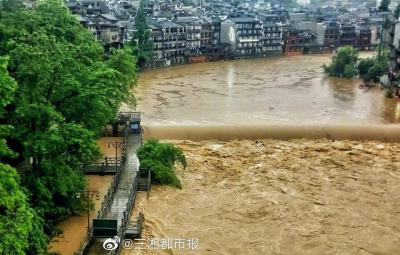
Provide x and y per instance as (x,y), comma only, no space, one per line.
(217,29)
(332,35)
(244,35)
(169,42)
(193,37)
(294,43)
(205,35)
(272,41)
(394,61)
(364,35)
(348,35)
(106,29)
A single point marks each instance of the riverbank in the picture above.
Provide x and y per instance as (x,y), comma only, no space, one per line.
(280,197)
(204,59)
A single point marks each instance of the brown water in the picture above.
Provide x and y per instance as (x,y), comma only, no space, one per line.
(279,197)
(259,91)
(74,228)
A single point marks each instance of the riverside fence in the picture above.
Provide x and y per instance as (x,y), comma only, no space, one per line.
(106,166)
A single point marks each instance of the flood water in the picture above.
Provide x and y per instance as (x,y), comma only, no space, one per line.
(259,91)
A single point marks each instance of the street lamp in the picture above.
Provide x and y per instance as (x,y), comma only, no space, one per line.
(88,194)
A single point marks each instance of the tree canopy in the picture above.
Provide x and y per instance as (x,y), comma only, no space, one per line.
(397,12)
(371,69)
(384,6)
(344,63)
(59,88)
(141,45)
(160,158)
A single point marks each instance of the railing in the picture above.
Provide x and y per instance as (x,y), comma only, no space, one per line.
(141,136)
(140,222)
(108,198)
(110,132)
(128,116)
(126,213)
(84,244)
(131,201)
(108,165)
(148,184)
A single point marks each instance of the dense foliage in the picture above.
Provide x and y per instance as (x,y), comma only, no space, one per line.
(375,71)
(347,65)
(57,91)
(364,65)
(397,12)
(20,228)
(141,45)
(384,6)
(344,63)
(161,159)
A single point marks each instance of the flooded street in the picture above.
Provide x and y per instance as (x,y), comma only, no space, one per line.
(259,91)
(74,228)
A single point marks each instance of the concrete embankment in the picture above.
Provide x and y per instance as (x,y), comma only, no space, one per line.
(383,133)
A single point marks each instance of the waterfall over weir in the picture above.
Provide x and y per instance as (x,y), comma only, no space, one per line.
(383,133)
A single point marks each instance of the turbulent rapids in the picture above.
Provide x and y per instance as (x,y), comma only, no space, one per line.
(383,133)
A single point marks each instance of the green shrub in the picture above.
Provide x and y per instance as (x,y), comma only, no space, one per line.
(364,65)
(344,63)
(161,159)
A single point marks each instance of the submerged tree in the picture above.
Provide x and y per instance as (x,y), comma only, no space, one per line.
(364,65)
(344,63)
(160,158)
(371,69)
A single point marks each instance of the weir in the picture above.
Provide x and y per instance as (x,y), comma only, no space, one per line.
(112,219)
(382,132)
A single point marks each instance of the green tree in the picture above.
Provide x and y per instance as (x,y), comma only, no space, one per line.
(344,63)
(68,89)
(397,12)
(371,69)
(161,159)
(21,230)
(384,6)
(376,71)
(19,224)
(7,91)
(364,65)
(141,45)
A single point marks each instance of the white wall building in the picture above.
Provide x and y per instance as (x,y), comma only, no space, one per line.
(303,2)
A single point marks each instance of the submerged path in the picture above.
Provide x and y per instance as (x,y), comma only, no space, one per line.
(128,174)
(123,192)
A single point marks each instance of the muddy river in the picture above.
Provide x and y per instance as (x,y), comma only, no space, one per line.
(268,197)
(259,91)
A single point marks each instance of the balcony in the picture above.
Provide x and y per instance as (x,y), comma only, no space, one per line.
(242,40)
